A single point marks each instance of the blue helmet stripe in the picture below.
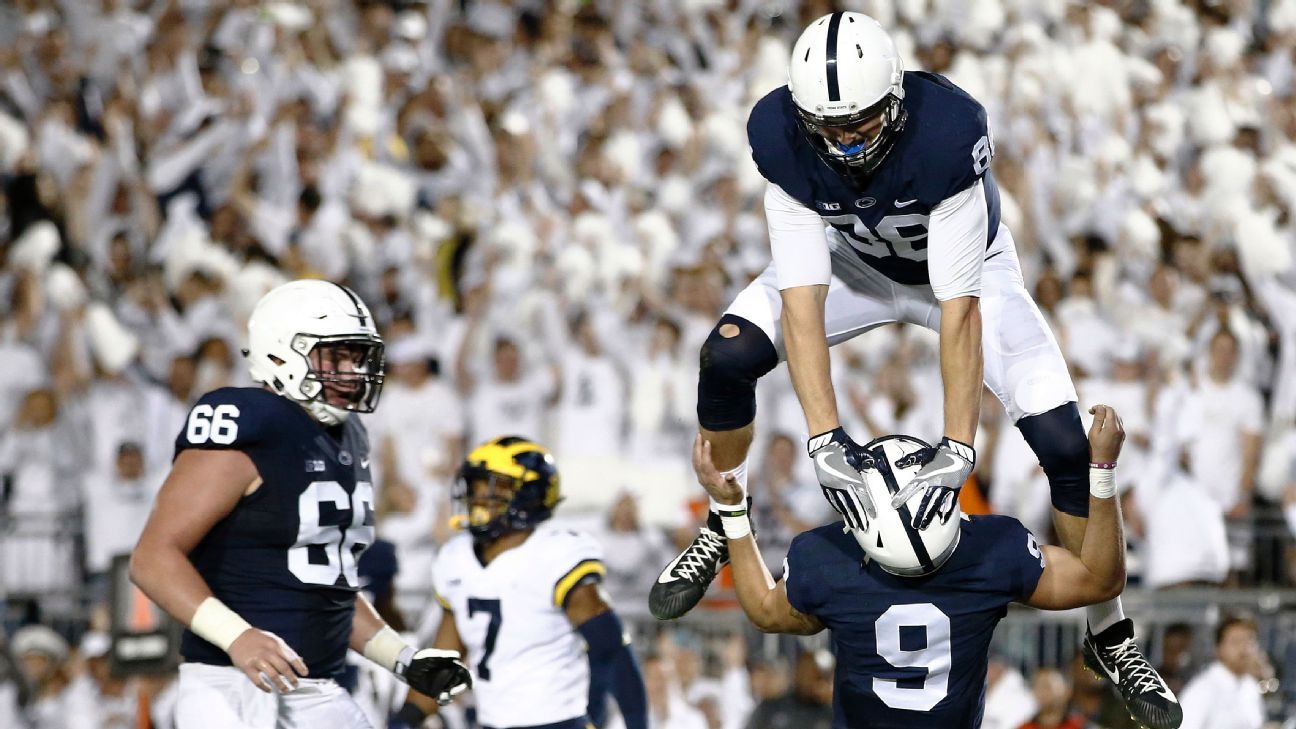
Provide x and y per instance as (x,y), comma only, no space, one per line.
(915,540)
(834,92)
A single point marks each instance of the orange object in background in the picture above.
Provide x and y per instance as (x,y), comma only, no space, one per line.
(972,500)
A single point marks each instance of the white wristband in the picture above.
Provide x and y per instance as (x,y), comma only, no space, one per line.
(1102,482)
(217,624)
(389,650)
(736,525)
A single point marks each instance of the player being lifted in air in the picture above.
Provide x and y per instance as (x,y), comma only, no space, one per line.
(522,601)
(881,207)
(255,535)
(912,611)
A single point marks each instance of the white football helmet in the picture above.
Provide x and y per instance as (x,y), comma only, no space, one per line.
(886,534)
(844,71)
(315,342)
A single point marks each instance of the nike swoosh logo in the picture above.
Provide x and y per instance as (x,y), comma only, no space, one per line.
(905,203)
(665,575)
(952,468)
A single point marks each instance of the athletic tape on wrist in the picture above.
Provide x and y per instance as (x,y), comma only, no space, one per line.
(1102,482)
(386,648)
(215,623)
(736,525)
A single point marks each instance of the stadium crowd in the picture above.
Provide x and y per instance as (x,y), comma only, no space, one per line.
(546,204)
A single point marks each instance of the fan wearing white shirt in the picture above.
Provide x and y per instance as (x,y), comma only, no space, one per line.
(1227,694)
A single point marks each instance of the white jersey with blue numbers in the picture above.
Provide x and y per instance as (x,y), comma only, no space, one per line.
(529,664)
(912,652)
(929,214)
(285,558)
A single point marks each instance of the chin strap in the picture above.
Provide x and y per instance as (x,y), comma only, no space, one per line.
(325,413)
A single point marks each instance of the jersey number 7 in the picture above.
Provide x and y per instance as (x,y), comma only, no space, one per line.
(491,608)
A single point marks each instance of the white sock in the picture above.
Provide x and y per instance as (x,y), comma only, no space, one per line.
(740,475)
(1104,615)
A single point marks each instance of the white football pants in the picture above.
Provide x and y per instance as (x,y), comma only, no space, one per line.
(1023,364)
(221,697)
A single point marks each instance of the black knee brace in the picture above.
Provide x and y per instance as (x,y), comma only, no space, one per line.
(1059,441)
(728,368)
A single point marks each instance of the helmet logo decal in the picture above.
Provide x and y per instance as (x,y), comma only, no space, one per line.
(834,91)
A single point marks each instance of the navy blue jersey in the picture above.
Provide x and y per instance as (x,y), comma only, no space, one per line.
(285,557)
(912,651)
(944,149)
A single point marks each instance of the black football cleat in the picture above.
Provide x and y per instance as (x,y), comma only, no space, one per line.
(1113,654)
(680,587)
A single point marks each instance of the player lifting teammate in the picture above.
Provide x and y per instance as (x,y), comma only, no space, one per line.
(882,207)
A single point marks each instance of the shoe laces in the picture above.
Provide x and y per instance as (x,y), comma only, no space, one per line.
(701,556)
(1130,660)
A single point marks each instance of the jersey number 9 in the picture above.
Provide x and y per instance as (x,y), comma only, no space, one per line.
(923,691)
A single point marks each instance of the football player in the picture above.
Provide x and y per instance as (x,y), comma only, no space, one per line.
(254,538)
(912,611)
(522,601)
(881,207)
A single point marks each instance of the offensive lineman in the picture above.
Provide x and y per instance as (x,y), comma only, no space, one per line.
(881,207)
(254,537)
(522,601)
(911,611)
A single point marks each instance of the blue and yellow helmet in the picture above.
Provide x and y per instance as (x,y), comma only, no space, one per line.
(505,485)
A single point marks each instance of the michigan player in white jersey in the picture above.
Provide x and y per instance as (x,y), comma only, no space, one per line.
(522,603)
(254,540)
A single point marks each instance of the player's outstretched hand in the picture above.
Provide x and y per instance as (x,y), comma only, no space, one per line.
(1106,434)
(438,673)
(268,661)
(724,489)
(838,463)
(940,478)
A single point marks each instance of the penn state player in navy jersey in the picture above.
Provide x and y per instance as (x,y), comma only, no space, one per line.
(255,535)
(911,611)
(882,207)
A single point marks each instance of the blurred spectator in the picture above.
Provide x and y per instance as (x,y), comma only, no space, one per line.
(1176,656)
(784,501)
(116,508)
(38,470)
(590,414)
(663,391)
(1052,693)
(1220,428)
(97,700)
(510,398)
(1227,694)
(666,705)
(42,660)
(1008,701)
(631,553)
(808,705)
(420,421)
